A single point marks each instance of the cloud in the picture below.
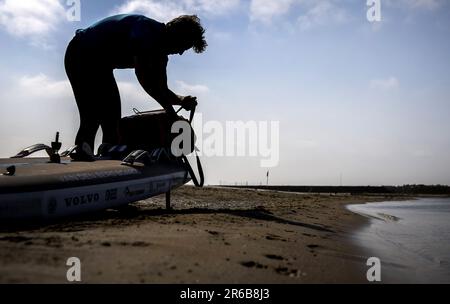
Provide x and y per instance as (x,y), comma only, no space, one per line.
(220,36)
(265,10)
(163,11)
(309,13)
(33,109)
(306,143)
(322,13)
(422,153)
(167,10)
(33,19)
(211,7)
(385,84)
(197,89)
(132,95)
(41,86)
(416,4)
(427,4)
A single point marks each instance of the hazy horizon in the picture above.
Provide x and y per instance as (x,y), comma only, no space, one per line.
(358,103)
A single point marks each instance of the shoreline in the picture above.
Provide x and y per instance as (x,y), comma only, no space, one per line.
(410,237)
(213,235)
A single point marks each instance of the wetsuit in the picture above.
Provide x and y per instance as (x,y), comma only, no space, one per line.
(91,57)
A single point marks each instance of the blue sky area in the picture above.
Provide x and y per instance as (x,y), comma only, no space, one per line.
(366,101)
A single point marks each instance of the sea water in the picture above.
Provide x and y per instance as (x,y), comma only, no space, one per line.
(411,238)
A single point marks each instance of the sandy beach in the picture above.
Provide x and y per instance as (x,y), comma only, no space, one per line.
(213,235)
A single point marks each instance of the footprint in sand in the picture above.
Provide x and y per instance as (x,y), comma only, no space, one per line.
(252,264)
(212,232)
(274,257)
(309,235)
(273,237)
(293,273)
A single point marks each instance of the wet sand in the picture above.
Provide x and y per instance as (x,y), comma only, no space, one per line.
(213,235)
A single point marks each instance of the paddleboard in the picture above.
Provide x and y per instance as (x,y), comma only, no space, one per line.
(38,189)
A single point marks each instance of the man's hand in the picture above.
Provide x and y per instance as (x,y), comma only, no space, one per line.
(189,103)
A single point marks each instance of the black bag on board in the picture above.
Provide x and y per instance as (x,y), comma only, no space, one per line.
(150,130)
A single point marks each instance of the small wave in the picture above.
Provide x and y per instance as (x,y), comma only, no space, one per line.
(388,217)
(377,216)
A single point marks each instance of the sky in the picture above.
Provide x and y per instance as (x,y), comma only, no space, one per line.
(357,102)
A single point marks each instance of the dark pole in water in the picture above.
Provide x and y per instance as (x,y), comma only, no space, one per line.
(168,207)
(267,175)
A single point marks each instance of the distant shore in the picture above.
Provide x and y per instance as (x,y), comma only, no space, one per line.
(213,235)
(405,190)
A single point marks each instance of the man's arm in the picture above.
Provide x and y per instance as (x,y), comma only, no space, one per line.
(151,74)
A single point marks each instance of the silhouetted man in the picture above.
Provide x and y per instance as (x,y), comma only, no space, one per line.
(120,42)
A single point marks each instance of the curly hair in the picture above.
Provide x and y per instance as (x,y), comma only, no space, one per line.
(188,27)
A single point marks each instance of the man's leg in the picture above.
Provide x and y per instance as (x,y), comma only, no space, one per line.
(110,111)
(87,131)
(88,109)
(82,79)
